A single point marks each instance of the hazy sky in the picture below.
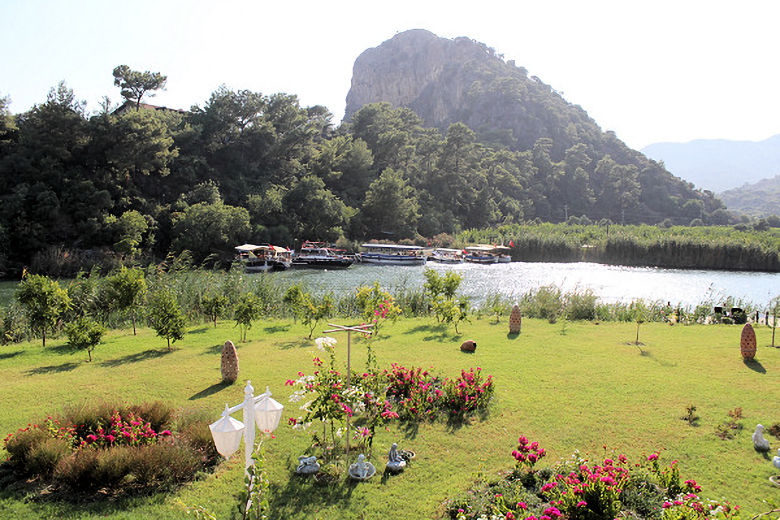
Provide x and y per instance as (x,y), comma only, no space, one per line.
(649,70)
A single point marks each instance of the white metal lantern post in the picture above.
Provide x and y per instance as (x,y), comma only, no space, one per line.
(261,411)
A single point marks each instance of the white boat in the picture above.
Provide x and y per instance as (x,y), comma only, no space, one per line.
(257,259)
(392,254)
(481,254)
(447,256)
(319,254)
(503,254)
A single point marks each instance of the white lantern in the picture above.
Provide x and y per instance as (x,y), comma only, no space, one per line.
(268,413)
(227,433)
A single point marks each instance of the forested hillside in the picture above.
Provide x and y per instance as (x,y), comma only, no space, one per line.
(760,199)
(80,188)
(579,169)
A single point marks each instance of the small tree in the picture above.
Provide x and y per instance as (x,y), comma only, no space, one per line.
(84,334)
(295,298)
(775,305)
(377,306)
(316,312)
(134,84)
(44,302)
(639,313)
(166,316)
(247,310)
(213,306)
(128,287)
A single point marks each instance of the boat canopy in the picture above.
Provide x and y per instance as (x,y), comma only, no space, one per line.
(447,250)
(481,249)
(394,247)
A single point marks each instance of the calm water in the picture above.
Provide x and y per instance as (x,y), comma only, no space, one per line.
(610,283)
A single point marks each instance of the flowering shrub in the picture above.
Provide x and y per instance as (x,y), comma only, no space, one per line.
(468,393)
(416,392)
(577,489)
(107,447)
(528,453)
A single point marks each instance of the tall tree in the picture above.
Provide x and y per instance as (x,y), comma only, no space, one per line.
(390,207)
(135,84)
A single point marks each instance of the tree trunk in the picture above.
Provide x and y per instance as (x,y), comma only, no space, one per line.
(132,314)
(637,333)
(44,336)
(89,353)
(169,344)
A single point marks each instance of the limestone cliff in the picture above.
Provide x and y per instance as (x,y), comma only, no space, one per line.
(450,80)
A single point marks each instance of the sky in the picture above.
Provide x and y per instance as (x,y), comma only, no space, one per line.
(651,71)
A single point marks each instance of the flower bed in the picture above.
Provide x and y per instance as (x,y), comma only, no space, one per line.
(578,489)
(114,449)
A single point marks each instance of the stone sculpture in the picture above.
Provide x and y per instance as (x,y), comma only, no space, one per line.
(776,460)
(362,469)
(759,442)
(229,363)
(307,465)
(747,343)
(515,320)
(395,462)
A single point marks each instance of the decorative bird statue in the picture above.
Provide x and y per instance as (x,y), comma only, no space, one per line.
(759,442)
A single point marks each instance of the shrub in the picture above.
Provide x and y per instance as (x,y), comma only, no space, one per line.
(581,305)
(468,393)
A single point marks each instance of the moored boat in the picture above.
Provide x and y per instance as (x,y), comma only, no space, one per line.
(392,254)
(481,255)
(320,255)
(447,256)
(257,259)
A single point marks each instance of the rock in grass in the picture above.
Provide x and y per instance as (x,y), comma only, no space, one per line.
(469,346)
(229,363)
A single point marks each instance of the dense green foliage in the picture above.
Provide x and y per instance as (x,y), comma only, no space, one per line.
(80,189)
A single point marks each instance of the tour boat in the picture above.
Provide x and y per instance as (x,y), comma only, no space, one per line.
(447,256)
(481,255)
(503,254)
(266,257)
(392,254)
(319,254)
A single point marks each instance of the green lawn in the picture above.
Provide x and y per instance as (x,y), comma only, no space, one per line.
(580,390)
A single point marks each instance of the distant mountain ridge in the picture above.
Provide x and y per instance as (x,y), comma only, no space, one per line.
(577,169)
(760,199)
(719,164)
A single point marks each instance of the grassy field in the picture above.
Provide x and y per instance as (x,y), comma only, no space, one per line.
(580,390)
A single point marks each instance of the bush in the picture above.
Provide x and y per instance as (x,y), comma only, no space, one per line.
(44,457)
(581,305)
(21,444)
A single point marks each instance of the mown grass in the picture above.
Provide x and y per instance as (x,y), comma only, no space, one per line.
(580,390)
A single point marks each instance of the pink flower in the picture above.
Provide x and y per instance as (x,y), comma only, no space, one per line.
(165,433)
(582,503)
(522,505)
(652,456)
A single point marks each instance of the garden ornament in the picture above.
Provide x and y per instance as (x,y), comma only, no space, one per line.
(307,465)
(776,460)
(395,462)
(361,470)
(759,442)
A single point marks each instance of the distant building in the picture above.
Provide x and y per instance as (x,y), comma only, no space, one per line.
(130,105)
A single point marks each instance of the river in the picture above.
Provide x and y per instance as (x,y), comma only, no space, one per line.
(609,282)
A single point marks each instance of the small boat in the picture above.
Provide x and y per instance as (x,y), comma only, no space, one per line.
(321,255)
(503,254)
(447,256)
(481,255)
(257,259)
(392,254)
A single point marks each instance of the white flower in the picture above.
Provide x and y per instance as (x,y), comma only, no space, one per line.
(325,342)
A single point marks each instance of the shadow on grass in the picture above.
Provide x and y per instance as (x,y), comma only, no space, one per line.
(299,343)
(60,350)
(648,354)
(303,495)
(200,330)
(9,355)
(211,390)
(410,429)
(214,349)
(512,335)
(135,358)
(52,369)
(276,328)
(754,365)
(440,332)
